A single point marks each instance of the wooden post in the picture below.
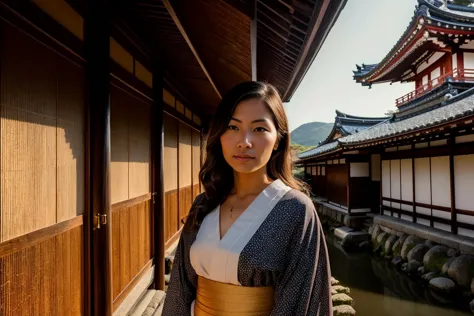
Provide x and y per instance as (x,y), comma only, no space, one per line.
(454,224)
(158,187)
(348,163)
(413,188)
(97,50)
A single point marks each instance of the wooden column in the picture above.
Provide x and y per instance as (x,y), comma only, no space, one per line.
(454,224)
(157,174)
(97,36)
(413,188)
(348,163)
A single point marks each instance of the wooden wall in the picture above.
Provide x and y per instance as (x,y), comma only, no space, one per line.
(42,142)
(131,243)
(170,177)
(130,189)
(318,179)
(185,179)
(41,178)
(337,181)
(182,159)
(130,146)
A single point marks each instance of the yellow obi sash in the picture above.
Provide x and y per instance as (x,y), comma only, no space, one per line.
(222,299)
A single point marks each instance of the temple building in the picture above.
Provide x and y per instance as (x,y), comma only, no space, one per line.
(418,165)
(331,178)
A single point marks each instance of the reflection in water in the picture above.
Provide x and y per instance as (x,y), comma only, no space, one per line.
(380,290)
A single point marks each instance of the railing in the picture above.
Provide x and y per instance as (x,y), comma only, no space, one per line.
(456,75)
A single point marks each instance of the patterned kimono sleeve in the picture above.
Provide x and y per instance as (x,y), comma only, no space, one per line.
(304,287)
(181,291)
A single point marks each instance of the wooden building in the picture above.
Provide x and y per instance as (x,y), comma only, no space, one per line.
(104,105)
(342,179)
(424,155)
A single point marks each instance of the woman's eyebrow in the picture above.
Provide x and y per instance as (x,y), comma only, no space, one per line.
(254,121)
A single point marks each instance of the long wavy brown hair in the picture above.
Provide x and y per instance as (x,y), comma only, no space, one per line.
(216,176)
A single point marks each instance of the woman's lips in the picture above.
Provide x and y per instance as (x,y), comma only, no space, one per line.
(243,158)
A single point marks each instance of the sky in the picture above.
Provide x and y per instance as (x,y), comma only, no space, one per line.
(365,32)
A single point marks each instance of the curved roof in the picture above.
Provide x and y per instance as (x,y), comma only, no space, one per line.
(347,124)
(460,106)
(431,19)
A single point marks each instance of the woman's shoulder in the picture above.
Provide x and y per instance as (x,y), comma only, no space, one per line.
(299,204)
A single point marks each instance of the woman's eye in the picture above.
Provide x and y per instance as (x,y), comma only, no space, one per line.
(232,127)
(261,129)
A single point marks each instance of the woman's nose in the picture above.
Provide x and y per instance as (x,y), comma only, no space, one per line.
(244,141)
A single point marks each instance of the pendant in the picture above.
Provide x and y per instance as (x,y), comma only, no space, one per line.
(231,210)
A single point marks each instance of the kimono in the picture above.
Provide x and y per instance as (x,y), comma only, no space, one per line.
(277,241)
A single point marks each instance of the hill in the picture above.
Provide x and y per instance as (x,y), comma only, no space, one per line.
(310,134)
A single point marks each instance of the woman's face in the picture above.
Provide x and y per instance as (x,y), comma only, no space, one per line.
(251,137)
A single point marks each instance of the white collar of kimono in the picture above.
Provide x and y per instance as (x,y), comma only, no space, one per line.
(222,255)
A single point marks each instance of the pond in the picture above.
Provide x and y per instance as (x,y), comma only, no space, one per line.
(378,289)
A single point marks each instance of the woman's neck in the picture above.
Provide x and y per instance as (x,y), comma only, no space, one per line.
(246,184)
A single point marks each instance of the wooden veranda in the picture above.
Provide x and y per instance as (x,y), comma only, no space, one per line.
(104,105)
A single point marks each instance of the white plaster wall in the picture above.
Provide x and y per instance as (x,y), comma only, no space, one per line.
(465,232)
(390,149)
(440,181)
(423,221)
(442,226)
(432,60)
(386,179)
(359,169)
(387,213)
(424,80)
(464,182)
(422,180)
(465,139)
(469,60)
(435,74)
(407,217)
(313,172)
(455,61)
(335,161)
(406,147)
(375,162)
(468,45)
(407,181)
(395,182)
(441,214)
(465,219)
(323,170)
(342,161)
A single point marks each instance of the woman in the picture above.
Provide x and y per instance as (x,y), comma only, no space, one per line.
(252,243)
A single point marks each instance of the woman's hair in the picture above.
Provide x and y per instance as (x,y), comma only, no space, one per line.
(216,176)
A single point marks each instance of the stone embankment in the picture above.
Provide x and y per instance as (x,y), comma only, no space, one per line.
(447,271)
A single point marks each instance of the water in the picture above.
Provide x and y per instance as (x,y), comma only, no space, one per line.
(378,289)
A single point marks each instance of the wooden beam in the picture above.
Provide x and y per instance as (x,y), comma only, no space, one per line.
(158,200)
(181,29)
(307,45)
(253,43)
(97,48)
